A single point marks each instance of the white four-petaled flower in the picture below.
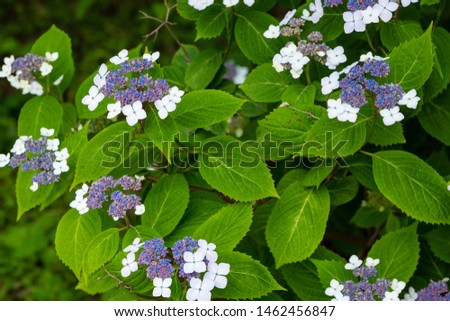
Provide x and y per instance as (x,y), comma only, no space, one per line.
(406,3)
(51,56)
(200,290)
(200,4)
(391,116)
(335,287)
(114,110)
(288,16)
(47,132)
(60,167)
(134,247)
(193,262)
(53,144)
(139,209)
(354,262)
(272,32)
(397,286)
(62,155)
(217,272)
(100,78)
(121,57)
(411,295)
(391,296)
(161,287)
(410,99)
(129,265)
(386,8)
(353,22)
(370,15)
(134,113)
(45,69)
(230,3)
(335,57)
(372,262)
(208,248)
(4,159)
(153,56)
(330,83)
(93,98)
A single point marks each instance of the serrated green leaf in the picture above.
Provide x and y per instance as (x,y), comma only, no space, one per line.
(203,108)
(361,168)
(234,170)
(411,63)
(74,144)
(435,117)
(73,234)
(100,250)
(331,25)
(227,227)
(55,40)
(329,270)
(439,242)
(295,175)
(412,185)
(342,190)
(317,174)
(144,233)
(248,278)
(248,33)
(299,95)
(38,112)
(367,216)
(102,153)
(302,215)
(260,217)
(398,253)
(439,78)
(187,11)
(264,84)
(203,68)
(161,131)
(397,32)
(165,204)
(211,22)
(383,135)
(27,199)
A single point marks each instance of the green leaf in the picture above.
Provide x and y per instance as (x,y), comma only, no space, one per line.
(161,131)
(397,32)
(317,174)
(74,144)
(295,175)
(440,77)
(302,215)
(412,185)
(361,168)
(329,270)
(100,250)
(186,11)
(299,95)
(179,59)
(139,231)
(165,204)
(248,33)
(211,22)
(264,84)
(412,62)
(102,153)
(342,190)
(73,234)
(38,112)
(383,135)
(203,108)
(235,170)
(227,227)
(27,199)
(439,242)
(331,25)
(203,68)
(248,279)
(367,216)
(202,205)
(398,253)
(55,40)
(435,117)
(260,217)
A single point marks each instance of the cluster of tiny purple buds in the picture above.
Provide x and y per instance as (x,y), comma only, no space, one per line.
(354,5)
(332,3)
(154,255)
(313,48)
(435,291)
(293,27)
(187,244)
(130,83)
(105,189)
(363,290)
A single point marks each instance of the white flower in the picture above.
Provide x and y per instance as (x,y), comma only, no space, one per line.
(354,262)
(100,78)
(406,3)
(200,290)
(47,132)
(25,138)
(176,94)
(134,247)
(152,57)
(51,56)
(122,56)
(83,190)
(200,4)
(317,12)
(370,15)
(19,147)
(34,187)
(298,61)
(208,248)
(350,114)
(139,178)
(60,167)
(391,116)
(335,57)
(129,265)
(58,81)
(348,68)
(287,17)
(114,110)
(277,63)
(216,273)
(230,3)
(53,144)
(330,83)
(250,3)
(161,287)
(397,286)
(4,159)
(411,295)
(410,99)
(272,32)
(241,75)
(386,7)
(288,51)
(194,262)
(7,67)
(169,102)
(45,69)
(134,113)
(80,204)
(372,262)
(62,155)
(335,287)
(93,98)
(139,209)
(353,22)
(34,88)
(335,108)
(390,296)
(296,73)
(340,297)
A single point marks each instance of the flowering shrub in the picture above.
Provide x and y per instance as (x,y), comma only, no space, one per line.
(250,166)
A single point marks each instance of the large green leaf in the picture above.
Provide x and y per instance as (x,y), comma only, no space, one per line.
(398,252)
(412,185)
(342,190)
(211,22)
(73,234)
(248,279)
(439,242)
(27,199)
(102,153)
(38,112)
(361,168)
(227,227)
(397,32)
(299,95)
(440,77)
(331,25)
(165,204)
(329,270)
(235,170)
(435,117)
(297,223)
(203,68)
(161,132)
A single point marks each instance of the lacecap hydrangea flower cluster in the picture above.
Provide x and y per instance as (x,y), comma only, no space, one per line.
(38,154)
(194,262)
(362,80)
(111,194)
(203,4)
(24,72)
(131,87)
